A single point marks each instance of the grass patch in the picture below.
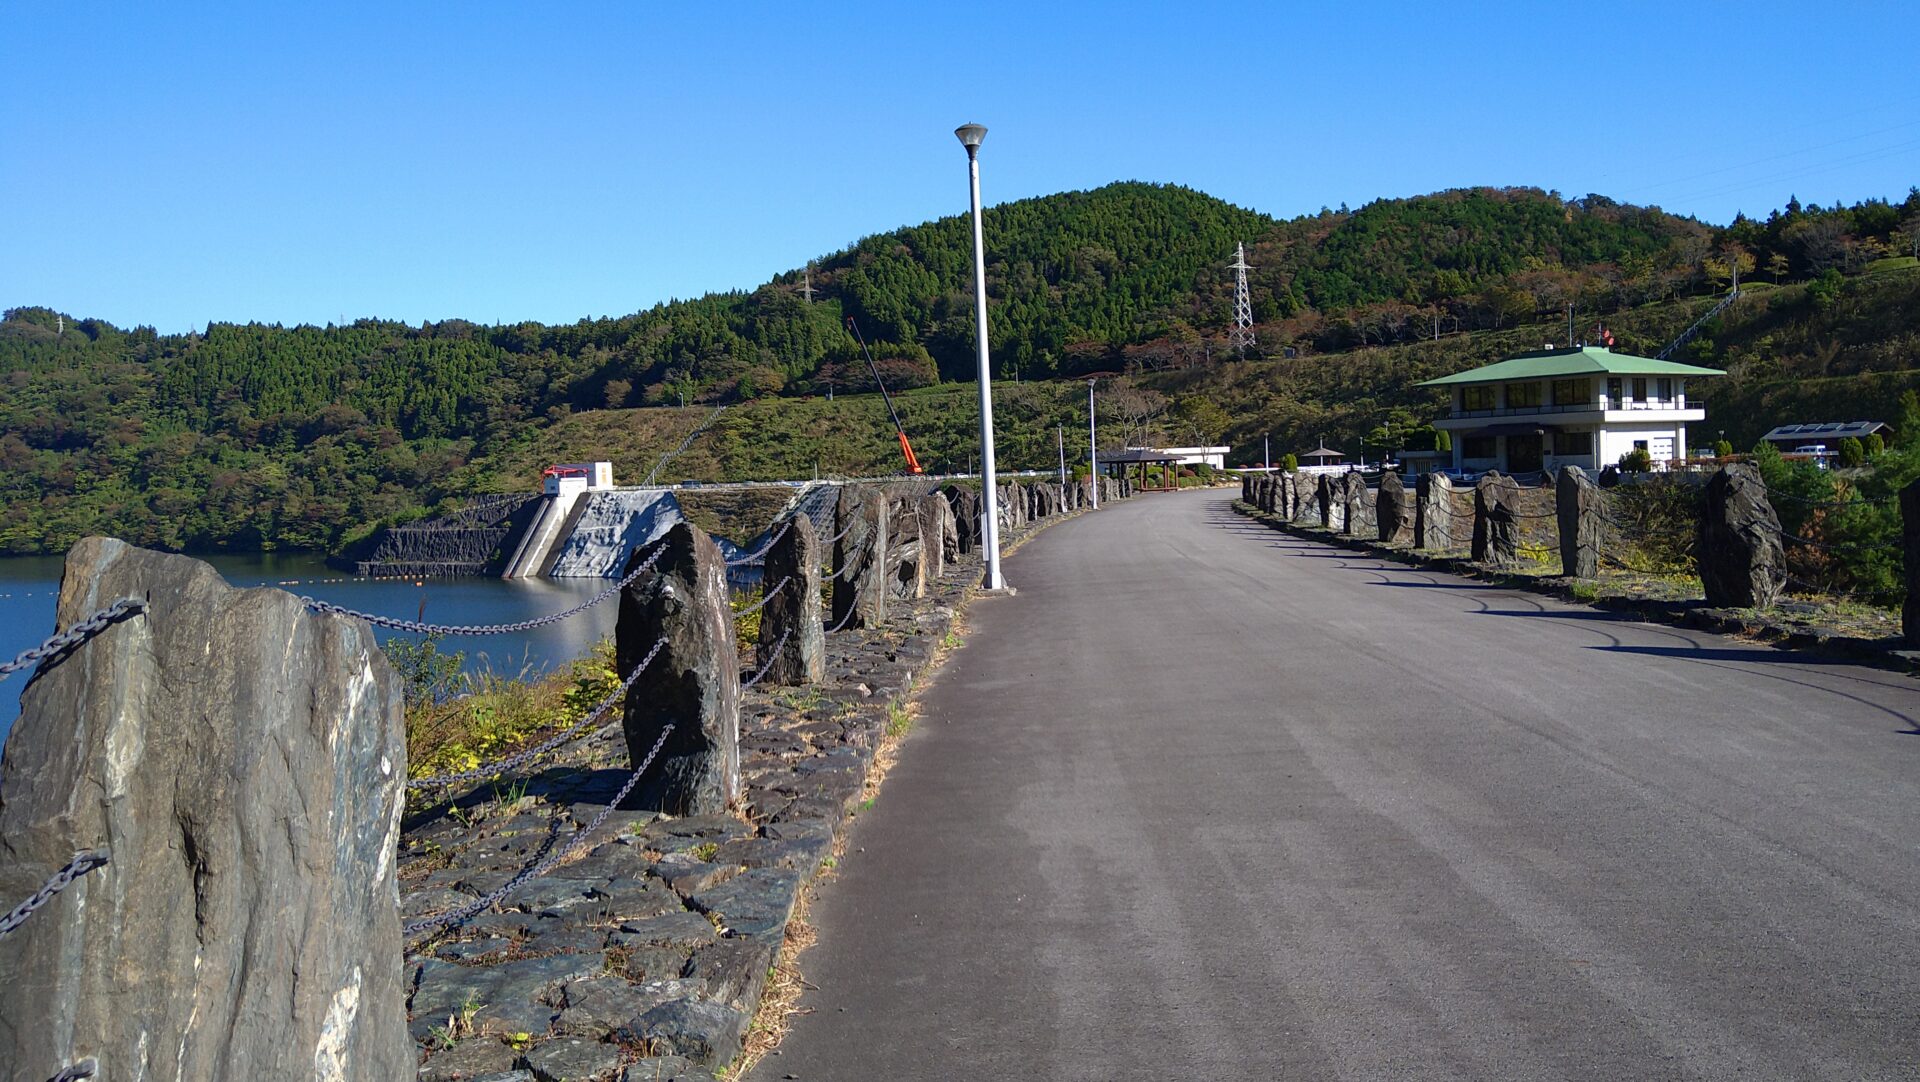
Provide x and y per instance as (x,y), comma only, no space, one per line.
(505,713)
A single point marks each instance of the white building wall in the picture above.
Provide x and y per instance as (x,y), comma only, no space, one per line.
(1617,439)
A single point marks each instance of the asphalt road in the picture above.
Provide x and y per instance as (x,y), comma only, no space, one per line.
(1206,802)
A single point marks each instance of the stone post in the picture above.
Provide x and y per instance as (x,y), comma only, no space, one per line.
(1743,562)
(1496,523)
(906,554)
(936,520)
(244,761)
(693,683)
(1910,532)
(1329,502)
(860,559)
(1353,503)
(790,620)
(1393,514)
(966,517)
(949,532)
(1435,526)
(1577,506)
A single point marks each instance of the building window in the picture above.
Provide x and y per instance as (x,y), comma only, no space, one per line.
(1476,398)
(1613,392)
(1639,388)
(1478,447)
(1573,443)
(1523,395)
(1572,392)
(1665,386)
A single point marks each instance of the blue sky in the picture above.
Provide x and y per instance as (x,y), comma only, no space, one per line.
(179,163)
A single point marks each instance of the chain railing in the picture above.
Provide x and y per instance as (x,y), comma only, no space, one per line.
(538,867)
(764,598)
(415,627)
(521,758)
(86,1068)
(75,635)
(84,861)
(743,561)
(772,656)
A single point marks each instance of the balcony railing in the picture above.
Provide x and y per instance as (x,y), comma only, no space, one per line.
(1677,403)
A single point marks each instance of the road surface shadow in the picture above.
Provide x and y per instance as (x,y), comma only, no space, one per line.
(1718,657)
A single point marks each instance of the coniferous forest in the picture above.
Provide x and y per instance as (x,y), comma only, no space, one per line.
(249,436)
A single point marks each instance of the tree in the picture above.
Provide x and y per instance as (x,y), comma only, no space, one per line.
(618,391)
(1199,419)
(1852,452)
(1723,449)
(1876,445)
(1290,462)
(1443,441)
(1906,431)
(1777,266)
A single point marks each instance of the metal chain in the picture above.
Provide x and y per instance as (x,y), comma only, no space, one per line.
(74,635)
(485,629)
(479,905)
(844,531)
(774,655)
(843,620)
(569,733)
(84,861)
(83,1069)
(785,525)
(764,598)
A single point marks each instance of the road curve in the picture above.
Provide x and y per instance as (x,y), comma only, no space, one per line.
(1207,802)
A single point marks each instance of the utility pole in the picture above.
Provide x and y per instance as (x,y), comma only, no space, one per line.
(1242,304)
(1060,433)
(1093,449)
(1266,449)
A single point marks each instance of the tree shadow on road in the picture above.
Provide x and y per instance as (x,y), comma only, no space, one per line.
(1719,657)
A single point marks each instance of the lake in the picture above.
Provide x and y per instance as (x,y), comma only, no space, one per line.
(30,586)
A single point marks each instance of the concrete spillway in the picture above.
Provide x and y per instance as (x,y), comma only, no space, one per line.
(609,526)
(550,526)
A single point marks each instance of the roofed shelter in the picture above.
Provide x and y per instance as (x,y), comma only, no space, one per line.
(1583,406)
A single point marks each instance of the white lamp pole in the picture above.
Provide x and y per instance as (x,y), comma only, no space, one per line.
(1093,449)
(970,136)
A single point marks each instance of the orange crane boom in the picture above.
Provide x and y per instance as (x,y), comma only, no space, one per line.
(906,447)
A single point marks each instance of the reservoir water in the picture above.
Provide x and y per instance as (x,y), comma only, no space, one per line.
(30,585)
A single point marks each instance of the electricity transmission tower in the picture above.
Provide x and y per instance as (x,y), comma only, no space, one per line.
(1242,337)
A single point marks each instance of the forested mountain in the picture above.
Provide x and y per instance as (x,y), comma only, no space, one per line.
(304,437)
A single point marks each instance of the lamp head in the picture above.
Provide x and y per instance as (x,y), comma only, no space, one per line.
(970,136)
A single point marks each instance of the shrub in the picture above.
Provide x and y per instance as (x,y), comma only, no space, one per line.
(1290,462)
(1852,452)
(1637,460)
(1442,440)
(1876,445)
(1723,449)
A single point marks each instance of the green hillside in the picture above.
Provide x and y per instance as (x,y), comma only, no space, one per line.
(257,435)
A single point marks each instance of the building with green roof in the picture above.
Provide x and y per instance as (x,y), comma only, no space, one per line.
(1585,406)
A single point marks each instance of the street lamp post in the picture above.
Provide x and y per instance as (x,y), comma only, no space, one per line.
(1093,450)
(970,136)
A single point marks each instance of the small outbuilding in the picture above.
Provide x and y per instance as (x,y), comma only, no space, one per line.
(1825,435)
